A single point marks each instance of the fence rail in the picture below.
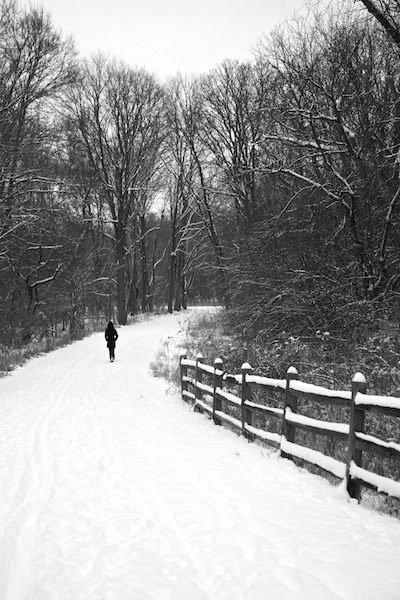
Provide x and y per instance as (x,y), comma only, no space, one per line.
(209,389)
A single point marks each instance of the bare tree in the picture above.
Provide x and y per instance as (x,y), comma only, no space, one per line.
(334,136)
(119,114)
(231,118)
(36,64)
(196,174)
(387,13)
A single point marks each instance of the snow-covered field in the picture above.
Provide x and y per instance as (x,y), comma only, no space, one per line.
(111,489)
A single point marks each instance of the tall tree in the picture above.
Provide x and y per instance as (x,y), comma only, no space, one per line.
(36,64)
(232,116)
(334,137)
(119,115)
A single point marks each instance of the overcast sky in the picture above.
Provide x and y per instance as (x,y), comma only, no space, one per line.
(167,36)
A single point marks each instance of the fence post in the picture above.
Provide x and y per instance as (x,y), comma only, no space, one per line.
(288,431)
(246,395)
(217,383)
(199,377)
(183,372)
(357,418)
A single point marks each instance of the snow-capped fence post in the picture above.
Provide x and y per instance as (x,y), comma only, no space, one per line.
(199,377)
(183,372)
(217,383)
(290,402)
(246,395)
(357,419)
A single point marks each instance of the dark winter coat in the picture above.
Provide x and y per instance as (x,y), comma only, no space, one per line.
(111,335)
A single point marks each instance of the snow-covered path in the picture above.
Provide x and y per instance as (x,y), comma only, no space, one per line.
(111,489)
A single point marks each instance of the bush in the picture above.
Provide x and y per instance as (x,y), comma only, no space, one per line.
(201,334)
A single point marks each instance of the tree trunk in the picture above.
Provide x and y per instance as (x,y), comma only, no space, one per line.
(132,274)
(171,282)
(172,262)
(152,284)
(143,259)
(178,279)
(120,249)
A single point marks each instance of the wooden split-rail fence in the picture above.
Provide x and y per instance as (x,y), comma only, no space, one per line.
(209,389)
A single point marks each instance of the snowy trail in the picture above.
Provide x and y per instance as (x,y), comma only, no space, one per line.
(111,489)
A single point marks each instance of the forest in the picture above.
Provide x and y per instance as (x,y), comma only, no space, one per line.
(270,187)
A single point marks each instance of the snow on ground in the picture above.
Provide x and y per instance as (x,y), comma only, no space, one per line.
(111,489)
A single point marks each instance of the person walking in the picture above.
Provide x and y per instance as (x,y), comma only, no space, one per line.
(111,336)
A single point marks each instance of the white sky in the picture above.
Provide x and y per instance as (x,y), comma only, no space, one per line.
(166,36)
